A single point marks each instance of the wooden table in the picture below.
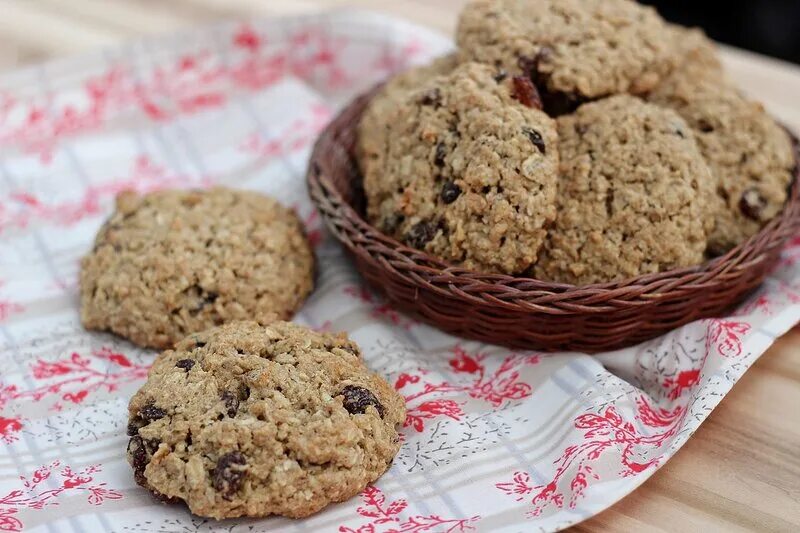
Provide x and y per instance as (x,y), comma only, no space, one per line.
(741,471)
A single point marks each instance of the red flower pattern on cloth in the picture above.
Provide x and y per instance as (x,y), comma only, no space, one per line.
(194,82)
(22,209)
(297,136)
(726,336)
(495,388)
(33,494)
(388,517)
(605,432)
(70,380)
(8,307)
(686,379)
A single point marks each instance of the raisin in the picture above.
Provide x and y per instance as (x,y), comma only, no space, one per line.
(527,65)
(530,65)
(150,412)
(441,153)
(705,126)
(432,97)
(357,399)
(450,192)
(133,427)
(536,139)
(231,403)
(229,474)
(208,299)
(139,460)
(420,234)
(525,91)
(185,364)
(500,76)
(752,204)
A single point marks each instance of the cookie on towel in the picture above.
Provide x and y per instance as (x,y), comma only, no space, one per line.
(170,263)
(251,420)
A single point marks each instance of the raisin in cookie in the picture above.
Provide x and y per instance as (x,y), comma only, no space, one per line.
(174,262)
(250,420)
(632,194)
(468,170)
(575,50)
(750,155)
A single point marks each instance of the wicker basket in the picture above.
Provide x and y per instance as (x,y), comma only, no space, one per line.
(523,312)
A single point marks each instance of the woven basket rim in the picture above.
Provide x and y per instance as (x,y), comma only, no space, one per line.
(527,293)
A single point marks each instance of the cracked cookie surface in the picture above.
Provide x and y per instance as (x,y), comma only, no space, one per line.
(575,50)
(750,155)
(170,263)
(250,420)
(633,194)
(467,170)
(372,128)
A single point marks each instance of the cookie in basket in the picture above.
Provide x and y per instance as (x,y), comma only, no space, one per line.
(633,194)
(575,50)
(170,263)
(250,420)
(750,155)
(372,126)
(468,171)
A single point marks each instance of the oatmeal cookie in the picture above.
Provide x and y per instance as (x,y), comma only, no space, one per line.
(170,263)
(632,197)
(750,155)
(372,127)
(468,170)
(251,420)
(575,50)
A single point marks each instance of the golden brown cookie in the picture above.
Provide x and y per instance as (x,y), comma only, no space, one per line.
(174,262)
(633,194)
(750,155)
(372,127)
(250,420)
(467,171)
(575,50)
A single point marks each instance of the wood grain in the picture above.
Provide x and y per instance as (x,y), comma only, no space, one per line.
(741,471)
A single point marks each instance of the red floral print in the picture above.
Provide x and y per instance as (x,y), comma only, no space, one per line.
(194,82)
(496,388)
(313,227)
(7,307)
(33,496)
(22,208)
(297,136)
(686,379)
(726,336)
(603,432)
(70,380)
(387,518)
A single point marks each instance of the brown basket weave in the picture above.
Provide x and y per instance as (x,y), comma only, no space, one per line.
(523,312)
